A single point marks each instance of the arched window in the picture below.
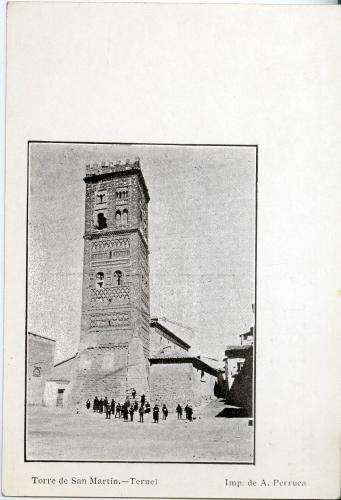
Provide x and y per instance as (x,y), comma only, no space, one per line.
(101,221)
(118,218)
(118,277)
(125,217)
(99,280)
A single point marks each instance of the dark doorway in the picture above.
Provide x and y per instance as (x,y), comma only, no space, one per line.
(60,397)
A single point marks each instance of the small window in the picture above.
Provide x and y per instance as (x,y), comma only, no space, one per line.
(101,198)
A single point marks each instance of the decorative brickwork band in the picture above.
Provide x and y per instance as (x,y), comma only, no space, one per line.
(107,320)
(112,294)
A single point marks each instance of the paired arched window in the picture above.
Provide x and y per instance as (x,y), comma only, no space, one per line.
(121,218)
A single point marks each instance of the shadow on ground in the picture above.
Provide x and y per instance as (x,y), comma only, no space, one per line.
(232,412)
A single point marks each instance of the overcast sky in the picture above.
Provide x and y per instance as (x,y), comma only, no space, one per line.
(201,238)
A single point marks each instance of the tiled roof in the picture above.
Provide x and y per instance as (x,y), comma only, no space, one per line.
(179,333)
(175,357)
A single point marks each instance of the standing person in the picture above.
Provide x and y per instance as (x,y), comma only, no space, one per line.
(127,401)
(118,410)
(112,406)
(136,406)
(95,405)
(100,405)
(88,404)
(131,411)
(125,412)
(179,411)
(147,407)
(105,404)
(143,399)
(141,412)
(190,414)
(133,393)
(108,411)
(186,411)
(156,414)
(164,412)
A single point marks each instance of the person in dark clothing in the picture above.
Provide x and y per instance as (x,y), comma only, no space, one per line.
(156,414)
(127,401)
(179,411)
(105,404)
(88,404)
(133,393)
(136,406)
(141,413)
(95,405)
(100,405)
(107,411)
(112,406)
(147,408)
(164,412)
(143,399)
(131,412)
(118,410)
(125,412)
(190,414)
(186,411)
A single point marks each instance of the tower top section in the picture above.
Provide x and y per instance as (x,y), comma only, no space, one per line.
(112,167)
(109,169)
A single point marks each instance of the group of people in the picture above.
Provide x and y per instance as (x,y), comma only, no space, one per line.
(128,408)
(188,412)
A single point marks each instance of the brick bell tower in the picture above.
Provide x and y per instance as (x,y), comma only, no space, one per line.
(114,340)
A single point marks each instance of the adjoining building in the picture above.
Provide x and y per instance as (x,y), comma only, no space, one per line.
(175,375)
(40,360)
(59,382)
(239,374)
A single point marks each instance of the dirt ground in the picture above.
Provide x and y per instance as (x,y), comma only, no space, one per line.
(60,434)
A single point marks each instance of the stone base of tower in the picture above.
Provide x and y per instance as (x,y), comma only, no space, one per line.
(138,369)
(110,371)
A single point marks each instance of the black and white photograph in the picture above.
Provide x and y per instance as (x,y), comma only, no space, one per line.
(141,303)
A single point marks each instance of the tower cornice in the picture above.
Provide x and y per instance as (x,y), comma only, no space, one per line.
(118,232)
(120,173)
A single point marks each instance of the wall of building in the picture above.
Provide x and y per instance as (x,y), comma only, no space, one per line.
(171,383)
(241,392)
(203,386)
(160,341)
(232,368)
(51,393)
(180,382)
(40,360)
